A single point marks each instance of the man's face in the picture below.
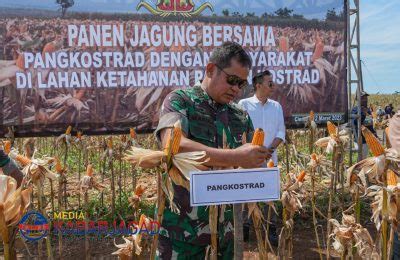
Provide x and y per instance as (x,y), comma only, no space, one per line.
(219,89)
(364,101)
(266,88)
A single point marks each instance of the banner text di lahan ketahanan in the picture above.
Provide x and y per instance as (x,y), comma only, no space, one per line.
(97,56)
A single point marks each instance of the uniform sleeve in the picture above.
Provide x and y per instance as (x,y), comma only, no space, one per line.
(281,125)
(173,109)
(4,159)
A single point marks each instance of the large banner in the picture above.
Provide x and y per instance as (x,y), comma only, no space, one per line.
(106,66)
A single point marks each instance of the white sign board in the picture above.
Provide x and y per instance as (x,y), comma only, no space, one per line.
(234,186)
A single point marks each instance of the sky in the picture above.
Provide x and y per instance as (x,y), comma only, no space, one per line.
(380,45)
(380,36)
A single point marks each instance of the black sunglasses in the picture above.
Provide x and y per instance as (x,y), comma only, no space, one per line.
(233,79)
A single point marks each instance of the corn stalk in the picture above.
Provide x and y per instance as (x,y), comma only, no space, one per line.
(213,220)
(42,210)
(237,215)
(87,244)
(313,211)
(172,147)
(258,139)
(4,234)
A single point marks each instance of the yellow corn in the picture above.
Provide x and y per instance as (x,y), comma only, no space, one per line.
(388,145)
(332,129)
(270,164)
(312,115)
(301,176)
(7,147)
(314,156)
(23,160)
(58,165)
(110,143)
(353,178)
(132,133)
(258,137)
(374,145)
(89,170)
(68,131)
(21,61)
(391,178)
(176,135)
(139,190)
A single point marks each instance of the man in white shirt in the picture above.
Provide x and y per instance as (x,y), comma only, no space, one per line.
(265,112)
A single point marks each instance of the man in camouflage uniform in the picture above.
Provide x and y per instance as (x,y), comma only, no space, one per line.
(9,168)
(205,112)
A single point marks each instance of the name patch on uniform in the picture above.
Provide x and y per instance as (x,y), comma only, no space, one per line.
(234,186)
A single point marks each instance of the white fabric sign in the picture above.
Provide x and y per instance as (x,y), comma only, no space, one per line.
(234,186)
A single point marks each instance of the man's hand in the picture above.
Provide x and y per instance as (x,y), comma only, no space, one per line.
(245,156)
(251,156)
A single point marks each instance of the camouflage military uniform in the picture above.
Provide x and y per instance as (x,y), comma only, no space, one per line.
(187,235)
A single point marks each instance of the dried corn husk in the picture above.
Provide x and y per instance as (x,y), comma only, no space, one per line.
(35,170)
(376,192)
(185,162)
(372,168)
(130,246)
(66,137)
(14,202)
(334,139)
(136,196)
(89,182)
(349,234)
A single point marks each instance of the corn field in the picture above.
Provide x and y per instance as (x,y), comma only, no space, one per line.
(329,207)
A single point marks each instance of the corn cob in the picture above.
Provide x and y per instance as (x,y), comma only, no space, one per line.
(21,61)
(312,116)
(132,133)
(301,176)
(139,190)
(391,178)
(24,161)
(173,146)
(7,147)
(376,148)
(314,156)
(110,143)
(258,137)
(89,170)
(68,131)
(58,165)
(49,48)
(353,178)
(270,164)
(332,129)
